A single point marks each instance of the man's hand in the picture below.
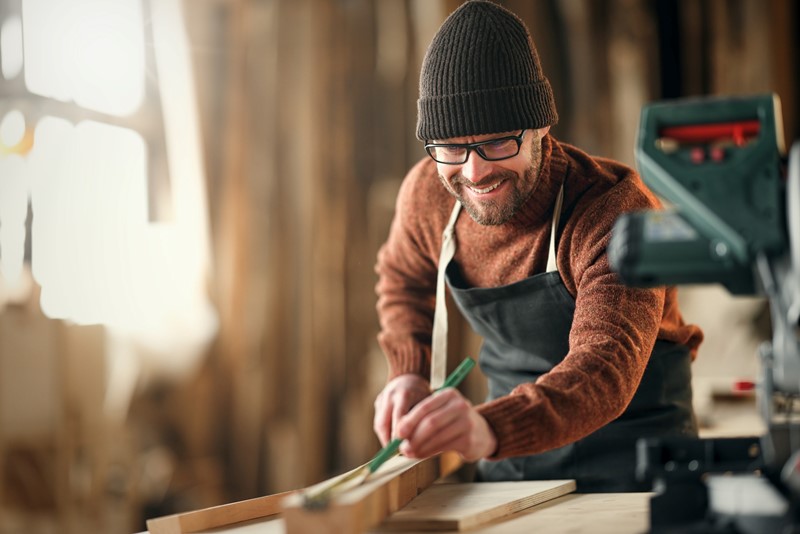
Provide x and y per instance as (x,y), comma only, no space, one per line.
(396,399)
(442,422)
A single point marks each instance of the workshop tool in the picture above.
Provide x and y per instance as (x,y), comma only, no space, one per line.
(735,221)
(319,497)
(718,161)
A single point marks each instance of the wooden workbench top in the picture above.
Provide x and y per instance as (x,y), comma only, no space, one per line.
(599,513)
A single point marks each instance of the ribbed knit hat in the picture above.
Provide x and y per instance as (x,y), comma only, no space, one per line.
(481,75)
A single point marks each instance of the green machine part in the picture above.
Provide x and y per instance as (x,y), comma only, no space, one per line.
(717,163)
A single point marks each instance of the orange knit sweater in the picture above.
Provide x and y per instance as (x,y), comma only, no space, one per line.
(614,327)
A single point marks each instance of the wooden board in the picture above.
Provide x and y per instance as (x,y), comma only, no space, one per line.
(391,487)
(595,513)
(598,513)
(395,484)
(217,516)
(466,506)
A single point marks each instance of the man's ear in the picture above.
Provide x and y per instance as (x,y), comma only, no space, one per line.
(541,132)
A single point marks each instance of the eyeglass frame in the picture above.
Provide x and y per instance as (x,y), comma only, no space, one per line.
(429,148)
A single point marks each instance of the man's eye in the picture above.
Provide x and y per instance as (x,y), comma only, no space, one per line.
(500,144)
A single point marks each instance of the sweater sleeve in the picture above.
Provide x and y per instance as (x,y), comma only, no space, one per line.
(406,269)
(613,333)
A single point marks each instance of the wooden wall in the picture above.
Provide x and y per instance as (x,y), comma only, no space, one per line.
(308,110)
(315,113)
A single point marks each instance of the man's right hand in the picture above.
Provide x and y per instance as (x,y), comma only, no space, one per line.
(397,398)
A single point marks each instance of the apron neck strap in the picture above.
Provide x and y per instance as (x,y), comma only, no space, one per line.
(439,339)
(551,254)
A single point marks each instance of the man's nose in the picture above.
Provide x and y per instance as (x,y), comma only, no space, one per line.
(475,168)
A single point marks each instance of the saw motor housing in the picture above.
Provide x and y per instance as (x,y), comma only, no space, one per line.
(732,218)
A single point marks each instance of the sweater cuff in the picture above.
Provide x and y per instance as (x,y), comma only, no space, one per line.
(503,416)
(406,356)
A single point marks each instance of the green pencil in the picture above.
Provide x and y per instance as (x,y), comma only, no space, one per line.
(320,498)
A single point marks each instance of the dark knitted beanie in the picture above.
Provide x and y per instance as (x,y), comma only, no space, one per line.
(481,75)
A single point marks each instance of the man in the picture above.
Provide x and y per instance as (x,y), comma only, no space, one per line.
(579,366)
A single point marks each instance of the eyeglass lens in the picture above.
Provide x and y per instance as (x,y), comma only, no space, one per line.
(491,150)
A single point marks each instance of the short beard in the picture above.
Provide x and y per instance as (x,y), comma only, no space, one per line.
(496,214)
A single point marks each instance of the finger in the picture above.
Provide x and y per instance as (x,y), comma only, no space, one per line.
(403,404)
(445,438)
(430,428)
(401,408)
(406,427)
(463,436)
(382,422)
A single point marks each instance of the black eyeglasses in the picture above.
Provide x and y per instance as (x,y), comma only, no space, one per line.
(491,150)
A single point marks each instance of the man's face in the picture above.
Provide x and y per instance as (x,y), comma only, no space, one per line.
(493,191)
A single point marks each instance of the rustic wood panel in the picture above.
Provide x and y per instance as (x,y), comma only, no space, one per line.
(325,95)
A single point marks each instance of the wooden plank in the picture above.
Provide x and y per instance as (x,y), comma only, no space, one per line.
(394,485)
(217,516)
(466,506)
(355,510)
(598,513)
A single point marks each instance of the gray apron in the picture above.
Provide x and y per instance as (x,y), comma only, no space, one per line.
(525,328)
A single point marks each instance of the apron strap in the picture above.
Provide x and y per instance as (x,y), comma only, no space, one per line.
(439,340)
(551,255)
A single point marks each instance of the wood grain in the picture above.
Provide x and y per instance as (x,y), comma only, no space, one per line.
(466,506)
(387,490)
(598,513)
(217,516)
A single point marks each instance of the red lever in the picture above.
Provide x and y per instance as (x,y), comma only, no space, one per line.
(739,132)
(743,386)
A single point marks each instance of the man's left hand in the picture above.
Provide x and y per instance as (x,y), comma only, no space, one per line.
(446,421)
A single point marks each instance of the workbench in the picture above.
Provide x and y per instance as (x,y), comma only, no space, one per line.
(599,513)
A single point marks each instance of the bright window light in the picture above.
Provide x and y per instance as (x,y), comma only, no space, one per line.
(12,129)
(95,255)
(89,204)
(87,51)
(11,47)
(13,212)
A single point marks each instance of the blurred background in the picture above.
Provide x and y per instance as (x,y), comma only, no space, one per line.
(192,195)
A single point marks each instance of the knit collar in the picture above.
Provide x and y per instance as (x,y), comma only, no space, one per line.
(539,207)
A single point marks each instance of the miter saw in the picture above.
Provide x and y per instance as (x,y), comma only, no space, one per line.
(733,218)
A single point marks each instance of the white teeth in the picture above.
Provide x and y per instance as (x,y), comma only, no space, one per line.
(486,190)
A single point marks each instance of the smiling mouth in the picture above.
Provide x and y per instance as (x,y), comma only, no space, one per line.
(486,189)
